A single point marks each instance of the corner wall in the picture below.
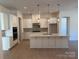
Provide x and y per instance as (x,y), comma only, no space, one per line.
(20,31)
(73,14)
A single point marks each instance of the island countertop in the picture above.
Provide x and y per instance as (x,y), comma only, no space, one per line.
(44,40)
(45,34)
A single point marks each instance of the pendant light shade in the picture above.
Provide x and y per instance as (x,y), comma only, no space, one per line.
(38,12)
(58,5)
(48,11)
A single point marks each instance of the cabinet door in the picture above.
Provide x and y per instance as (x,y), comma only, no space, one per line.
(65,42)
(27,23)
(35,17)
(52,20)
(43,23)
(51,42)
(62,42)
(45,42)
(4,19)
(5,43)
(35,42)
(11,42)
(39,42)
(58,42)
(15,22)
(32,43)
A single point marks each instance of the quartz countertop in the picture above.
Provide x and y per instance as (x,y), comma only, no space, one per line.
(45,34)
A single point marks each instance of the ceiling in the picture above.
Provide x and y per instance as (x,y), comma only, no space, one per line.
(32,5)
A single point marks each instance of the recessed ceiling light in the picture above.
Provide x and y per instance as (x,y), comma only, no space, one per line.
(25,7)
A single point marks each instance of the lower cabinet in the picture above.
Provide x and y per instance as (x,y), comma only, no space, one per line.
(7,43)
(58,43)
(32,43)
(45,42)
(36,43)
(65,42)
(49,42)
(62,42)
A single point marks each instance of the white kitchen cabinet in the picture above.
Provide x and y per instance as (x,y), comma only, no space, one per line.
(36,43)
(52,20)
(32,43)
(14,21)
(45,42)
(35,18)
(27,23)
(58,43)
(43,23)
(39,42)
(62,42)
(4,21)
(51,42)
(7,43)
(65,42)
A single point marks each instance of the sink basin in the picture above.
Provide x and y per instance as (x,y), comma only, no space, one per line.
(46,34)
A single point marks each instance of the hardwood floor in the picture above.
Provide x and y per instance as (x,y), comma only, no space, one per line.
(22,51)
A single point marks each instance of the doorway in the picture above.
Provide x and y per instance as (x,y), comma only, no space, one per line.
(64,26)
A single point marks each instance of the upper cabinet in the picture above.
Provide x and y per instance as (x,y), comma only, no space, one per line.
(35,18)
(15,21)
(4,21)
(52,20)
(27,23)
(43,23)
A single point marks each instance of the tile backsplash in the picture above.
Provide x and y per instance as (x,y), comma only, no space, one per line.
(30,29)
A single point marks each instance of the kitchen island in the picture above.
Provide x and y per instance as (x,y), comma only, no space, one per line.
(43,40)
(1,51)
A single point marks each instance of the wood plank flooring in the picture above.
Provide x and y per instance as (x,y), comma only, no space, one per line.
(22,51)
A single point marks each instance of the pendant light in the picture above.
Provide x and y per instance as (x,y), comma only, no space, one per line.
(58,5)
(48,11)
(38,13)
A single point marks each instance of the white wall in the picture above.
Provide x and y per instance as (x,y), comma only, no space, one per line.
(19,14)
(73,14)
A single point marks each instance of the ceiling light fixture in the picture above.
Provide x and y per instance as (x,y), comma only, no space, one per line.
(48,12)
(58,5)
(38,13)
(25,7)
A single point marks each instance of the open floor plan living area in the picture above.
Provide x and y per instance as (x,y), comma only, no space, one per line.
(38,29)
